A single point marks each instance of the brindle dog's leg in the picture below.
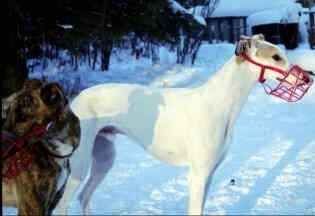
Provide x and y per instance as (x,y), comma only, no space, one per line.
(103,160)
(29,203)
(60,192)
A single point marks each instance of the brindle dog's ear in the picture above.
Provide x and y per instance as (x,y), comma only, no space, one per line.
(52,95)
(30,84)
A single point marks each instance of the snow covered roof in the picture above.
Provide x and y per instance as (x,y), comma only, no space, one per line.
(260,11)
(228,8)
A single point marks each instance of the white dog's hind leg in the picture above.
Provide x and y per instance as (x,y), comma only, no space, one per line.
(72,185)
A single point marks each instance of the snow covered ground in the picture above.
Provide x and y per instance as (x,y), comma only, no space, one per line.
(271,159)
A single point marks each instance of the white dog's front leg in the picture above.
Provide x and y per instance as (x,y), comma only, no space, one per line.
(197,184)
(61,208)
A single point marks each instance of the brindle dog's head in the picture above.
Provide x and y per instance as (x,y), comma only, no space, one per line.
(35,105)
(41,104)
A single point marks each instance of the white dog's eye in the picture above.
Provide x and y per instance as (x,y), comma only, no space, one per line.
(279,79)
(276,57)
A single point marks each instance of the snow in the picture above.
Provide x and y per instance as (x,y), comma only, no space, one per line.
(66,26)
(289,14)
(271,157)
(247,7)
(179,8)
(265,17)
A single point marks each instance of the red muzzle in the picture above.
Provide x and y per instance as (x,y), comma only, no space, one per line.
(293,85)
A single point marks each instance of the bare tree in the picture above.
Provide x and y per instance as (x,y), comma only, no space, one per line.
(191,36)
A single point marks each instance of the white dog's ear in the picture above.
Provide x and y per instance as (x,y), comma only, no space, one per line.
(256,42)
(258,37)
(243,45)
(248,45)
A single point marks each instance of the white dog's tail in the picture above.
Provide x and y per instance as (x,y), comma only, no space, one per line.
(103,159)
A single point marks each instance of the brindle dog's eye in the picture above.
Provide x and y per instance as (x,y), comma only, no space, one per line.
(276,57)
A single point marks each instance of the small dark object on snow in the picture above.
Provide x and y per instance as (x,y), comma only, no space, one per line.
(232,182)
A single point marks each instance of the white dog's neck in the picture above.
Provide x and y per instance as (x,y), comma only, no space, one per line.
(232,84)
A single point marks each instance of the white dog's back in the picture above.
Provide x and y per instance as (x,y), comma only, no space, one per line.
(139,112)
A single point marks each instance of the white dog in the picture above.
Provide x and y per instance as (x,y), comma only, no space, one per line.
(186,127)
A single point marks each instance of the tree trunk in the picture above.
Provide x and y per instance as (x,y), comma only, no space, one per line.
(188,47)
(15,70)
(106,51)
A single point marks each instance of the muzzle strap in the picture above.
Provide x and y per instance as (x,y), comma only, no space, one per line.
(262,75)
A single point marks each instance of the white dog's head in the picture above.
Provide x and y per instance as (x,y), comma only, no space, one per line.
(279,77)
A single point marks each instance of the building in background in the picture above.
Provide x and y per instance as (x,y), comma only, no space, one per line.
(281,22)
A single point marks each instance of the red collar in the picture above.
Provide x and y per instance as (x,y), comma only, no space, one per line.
(11,141)
(263,67)
(14,151)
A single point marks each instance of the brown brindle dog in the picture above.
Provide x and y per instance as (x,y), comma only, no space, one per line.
(39,134)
